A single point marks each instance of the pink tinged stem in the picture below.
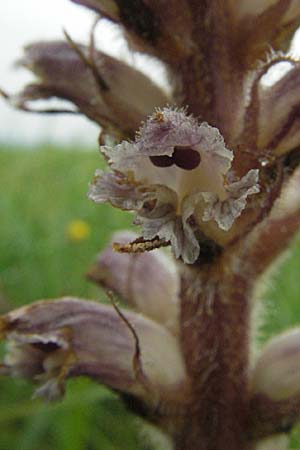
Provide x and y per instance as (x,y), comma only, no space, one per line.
(215,323)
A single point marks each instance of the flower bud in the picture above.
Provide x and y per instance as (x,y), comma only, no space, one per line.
(277,371)
(147,282)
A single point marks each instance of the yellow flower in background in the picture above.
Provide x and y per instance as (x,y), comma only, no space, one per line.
(78,230)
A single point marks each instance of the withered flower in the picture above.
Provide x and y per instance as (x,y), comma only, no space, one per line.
(211,169)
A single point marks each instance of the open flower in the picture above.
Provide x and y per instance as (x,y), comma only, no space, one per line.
(175,175)
(51,341)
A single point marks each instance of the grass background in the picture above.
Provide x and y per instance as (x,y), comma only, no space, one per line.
(42,191)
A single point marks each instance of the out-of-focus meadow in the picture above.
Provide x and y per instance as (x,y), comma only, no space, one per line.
(50,234)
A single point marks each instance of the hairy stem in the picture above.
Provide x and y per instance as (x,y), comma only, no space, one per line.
(215,328)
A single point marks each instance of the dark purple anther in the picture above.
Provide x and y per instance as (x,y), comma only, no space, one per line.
(162,160)
(186,158)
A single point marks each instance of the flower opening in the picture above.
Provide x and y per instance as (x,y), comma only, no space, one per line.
(176,175)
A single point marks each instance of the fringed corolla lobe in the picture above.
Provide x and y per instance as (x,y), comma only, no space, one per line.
(51,341)
(176,176)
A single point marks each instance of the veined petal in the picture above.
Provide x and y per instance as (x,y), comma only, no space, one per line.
(148,281)
(155,208)
(116,189)
(195,150)
(225,212)
(50,341)
(118,96)
(158,219)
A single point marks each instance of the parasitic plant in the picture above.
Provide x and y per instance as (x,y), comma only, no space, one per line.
(209,168)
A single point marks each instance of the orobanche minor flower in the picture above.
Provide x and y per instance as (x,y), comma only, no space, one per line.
(175,175)
(50,342)
(209,166)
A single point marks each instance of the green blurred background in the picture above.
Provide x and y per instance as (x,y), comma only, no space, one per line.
(43,193)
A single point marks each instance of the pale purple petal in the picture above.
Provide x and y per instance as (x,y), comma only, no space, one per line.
(168,128)
(119,96)
(164,132)
(165,129)
(116,189)
(155,208)
(50,341)
(161,220)
(225,212)
(175,166)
